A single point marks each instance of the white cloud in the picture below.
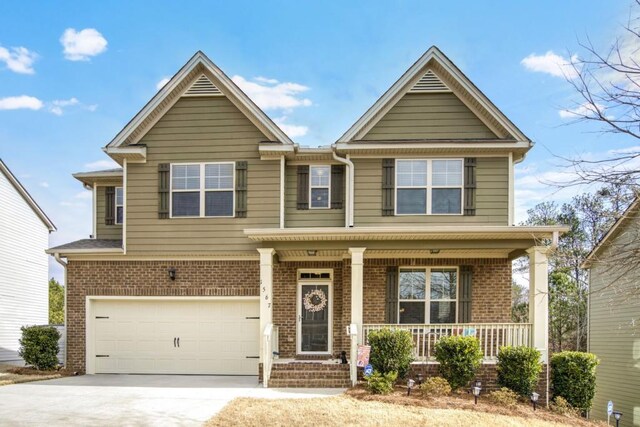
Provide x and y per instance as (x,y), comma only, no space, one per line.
(292,131)
(18,59)
(84,195)
(20,102)
(269,94)
(551,63)
(162,82)
(101,164)
(579,111)
(57,106)
(82,45)
(44,184)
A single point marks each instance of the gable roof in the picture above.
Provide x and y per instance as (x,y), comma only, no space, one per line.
(434,62)
(633,208)
(191,73)
(26,196)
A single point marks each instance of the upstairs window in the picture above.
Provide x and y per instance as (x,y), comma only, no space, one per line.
(320,187)
(202,190)
(119,206)
(429,186)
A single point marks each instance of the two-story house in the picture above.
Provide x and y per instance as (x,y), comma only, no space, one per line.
(221,243)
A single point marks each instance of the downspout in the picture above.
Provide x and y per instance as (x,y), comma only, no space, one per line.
(348,208)
(56,256)
(282,177)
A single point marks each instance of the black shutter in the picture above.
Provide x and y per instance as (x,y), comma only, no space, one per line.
(464,300)
(470,186)
(388,184)
(303,187)
(109,205)
(391,300)
(241,189)
(163,190)
(337,186)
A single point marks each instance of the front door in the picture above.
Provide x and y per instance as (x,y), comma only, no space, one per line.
(314,318)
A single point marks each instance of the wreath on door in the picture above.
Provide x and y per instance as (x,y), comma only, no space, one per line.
(315,301)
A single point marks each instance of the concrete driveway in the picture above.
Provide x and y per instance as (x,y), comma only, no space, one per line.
(132,400)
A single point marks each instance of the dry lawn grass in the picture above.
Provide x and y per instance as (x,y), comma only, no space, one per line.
(10,374)
(347,410)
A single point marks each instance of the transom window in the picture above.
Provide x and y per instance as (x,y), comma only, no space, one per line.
(428,293)
(119,214)
(429,186)
(320,187)
(202,190)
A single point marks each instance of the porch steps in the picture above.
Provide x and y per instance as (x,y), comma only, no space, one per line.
(313,374)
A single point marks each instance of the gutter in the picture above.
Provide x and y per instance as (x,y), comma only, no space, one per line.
(56,256)
(348,209)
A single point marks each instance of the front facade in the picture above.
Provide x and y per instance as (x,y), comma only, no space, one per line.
(24,289)
(221,247)
(614,328)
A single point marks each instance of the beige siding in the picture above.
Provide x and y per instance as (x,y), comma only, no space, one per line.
(200,130)
(492,196)
(614,332)
(309,217)
(429,116)
(104,231)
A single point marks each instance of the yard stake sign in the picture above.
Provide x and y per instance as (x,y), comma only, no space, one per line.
(363,356)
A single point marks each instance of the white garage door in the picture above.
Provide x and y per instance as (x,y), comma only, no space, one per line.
(217,337)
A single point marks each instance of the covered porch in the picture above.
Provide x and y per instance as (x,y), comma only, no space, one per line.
(432,283)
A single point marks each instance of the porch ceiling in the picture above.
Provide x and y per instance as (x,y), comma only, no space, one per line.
(534,234)
(339,254)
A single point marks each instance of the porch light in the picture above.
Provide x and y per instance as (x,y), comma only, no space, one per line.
(434,251)
(410,384)
(476,389)
(172,273)
(617,415)
(534,399)
(312,252)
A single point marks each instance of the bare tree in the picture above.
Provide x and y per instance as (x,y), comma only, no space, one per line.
(607,82)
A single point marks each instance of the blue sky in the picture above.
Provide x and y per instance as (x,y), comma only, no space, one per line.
(73,73)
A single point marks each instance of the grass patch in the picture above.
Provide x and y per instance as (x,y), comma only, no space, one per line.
(358,407)
(10,374)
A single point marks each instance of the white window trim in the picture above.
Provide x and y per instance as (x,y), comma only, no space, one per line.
(429,187)
(202,190)
(116,206)
(328,187)
(427,291)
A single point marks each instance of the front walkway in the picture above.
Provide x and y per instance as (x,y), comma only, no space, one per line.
(132,399)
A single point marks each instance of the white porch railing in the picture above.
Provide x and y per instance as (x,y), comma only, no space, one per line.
(270,348)
(492,336)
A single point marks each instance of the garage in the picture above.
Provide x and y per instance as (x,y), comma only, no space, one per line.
(173,336)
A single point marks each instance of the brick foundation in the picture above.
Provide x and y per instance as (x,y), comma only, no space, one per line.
(148,278)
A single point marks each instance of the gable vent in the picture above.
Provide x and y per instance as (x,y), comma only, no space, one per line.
(429,83)
(202,87)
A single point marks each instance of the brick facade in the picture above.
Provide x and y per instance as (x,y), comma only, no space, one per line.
(148,278)
(491,291)
(491,294)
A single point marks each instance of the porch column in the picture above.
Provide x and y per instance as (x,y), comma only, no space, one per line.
(539,299)
(357,275)
(266,292)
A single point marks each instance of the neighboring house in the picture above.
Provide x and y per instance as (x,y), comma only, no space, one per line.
(614,317)
(220,241)
(24,282)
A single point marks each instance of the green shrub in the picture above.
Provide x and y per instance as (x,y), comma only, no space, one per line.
(459,358)
(560,406)
(435,386)
(504,397)
(379,383)
(573,377)
(519,369)
(391,350)
(39,346)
